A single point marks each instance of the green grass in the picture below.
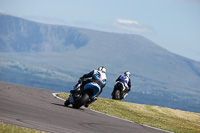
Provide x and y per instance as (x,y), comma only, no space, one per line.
(7,128)
(163,118)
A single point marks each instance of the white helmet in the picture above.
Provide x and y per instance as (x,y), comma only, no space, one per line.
(103,69)
(127,73)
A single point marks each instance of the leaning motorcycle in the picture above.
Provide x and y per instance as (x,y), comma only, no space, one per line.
(83,96)
(119,91)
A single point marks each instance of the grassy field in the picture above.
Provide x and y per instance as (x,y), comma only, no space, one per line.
(163,118)
(7,128)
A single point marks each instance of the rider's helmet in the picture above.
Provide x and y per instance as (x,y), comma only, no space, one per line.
(127,73)
(103,69)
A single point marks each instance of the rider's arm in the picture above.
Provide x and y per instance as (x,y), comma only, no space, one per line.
(88,75)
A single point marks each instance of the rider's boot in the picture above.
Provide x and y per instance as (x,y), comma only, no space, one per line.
(75,89)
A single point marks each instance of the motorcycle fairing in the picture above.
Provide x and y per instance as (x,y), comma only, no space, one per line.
(94,87)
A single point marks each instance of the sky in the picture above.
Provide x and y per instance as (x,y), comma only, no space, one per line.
(171,24)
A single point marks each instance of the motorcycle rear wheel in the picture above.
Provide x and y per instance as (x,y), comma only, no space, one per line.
(83,100)
(117,95)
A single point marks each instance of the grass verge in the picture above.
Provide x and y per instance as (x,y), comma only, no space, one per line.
(163,118)
(7,128)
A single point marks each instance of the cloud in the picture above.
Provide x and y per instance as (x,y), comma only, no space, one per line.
(119,20)
(131,25)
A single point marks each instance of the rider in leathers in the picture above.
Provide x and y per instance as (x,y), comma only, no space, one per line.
(96,76)
(126,80)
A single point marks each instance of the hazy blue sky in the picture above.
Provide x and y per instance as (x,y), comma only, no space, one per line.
(172,24)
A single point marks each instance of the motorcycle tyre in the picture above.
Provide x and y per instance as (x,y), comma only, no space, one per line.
(116,95)
(83,100)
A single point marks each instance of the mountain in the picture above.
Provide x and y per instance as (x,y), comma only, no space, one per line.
(54,57)
(27,36)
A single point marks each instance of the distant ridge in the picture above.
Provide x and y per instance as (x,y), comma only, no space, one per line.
(28,36)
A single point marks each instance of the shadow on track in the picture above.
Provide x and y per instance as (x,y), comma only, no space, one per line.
(62,105)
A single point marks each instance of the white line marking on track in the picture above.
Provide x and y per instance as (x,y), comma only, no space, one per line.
(56,96)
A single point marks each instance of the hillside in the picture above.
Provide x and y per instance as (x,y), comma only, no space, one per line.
(27,36)
(54,57)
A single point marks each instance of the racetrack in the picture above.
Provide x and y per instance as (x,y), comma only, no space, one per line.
(38,109)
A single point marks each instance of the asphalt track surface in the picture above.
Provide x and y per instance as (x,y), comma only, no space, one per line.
(37,109)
